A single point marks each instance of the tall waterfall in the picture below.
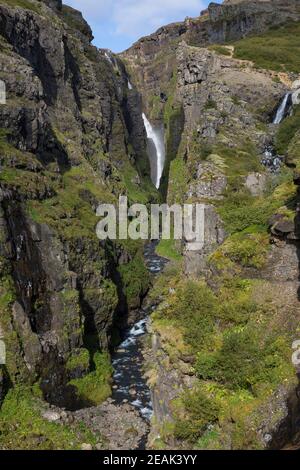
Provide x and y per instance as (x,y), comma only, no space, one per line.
(281,112)
(156,150)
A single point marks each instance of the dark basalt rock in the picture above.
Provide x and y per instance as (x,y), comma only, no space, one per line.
(70,110)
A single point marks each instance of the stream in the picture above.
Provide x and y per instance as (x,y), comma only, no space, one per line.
(129,383)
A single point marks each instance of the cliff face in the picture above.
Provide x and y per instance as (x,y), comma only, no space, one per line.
(216,83)
(152,61)
(72,136)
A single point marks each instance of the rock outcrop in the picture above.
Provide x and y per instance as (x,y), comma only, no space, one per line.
(71,137)
(217,112)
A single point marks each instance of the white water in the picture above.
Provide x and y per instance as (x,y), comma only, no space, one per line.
(129,85)
(108,57)
(281,110)
(157,138)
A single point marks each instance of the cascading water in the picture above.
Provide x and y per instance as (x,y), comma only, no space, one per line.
(283,109)
(129,85)
(156,150)
(270,158)
(129,383)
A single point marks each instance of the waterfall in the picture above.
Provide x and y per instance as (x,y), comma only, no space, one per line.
(156,150)
(129,85)
(282,110)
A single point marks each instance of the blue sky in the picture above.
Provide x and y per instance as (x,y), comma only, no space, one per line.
(117,24)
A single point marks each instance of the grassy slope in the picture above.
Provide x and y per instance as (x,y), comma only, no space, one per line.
(278,49)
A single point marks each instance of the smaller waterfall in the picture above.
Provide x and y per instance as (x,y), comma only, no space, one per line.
(271,160)
(156,150)
(282,110)
(129,85)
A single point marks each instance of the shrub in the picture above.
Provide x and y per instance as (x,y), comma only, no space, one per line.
(193,308)
(201,410)
(247,249)
(244,359)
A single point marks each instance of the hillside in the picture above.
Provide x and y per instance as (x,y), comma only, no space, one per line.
(223,92)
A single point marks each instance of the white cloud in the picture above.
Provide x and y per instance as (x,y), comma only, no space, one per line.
(134,18)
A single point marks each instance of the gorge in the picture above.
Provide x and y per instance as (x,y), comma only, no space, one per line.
(117,344)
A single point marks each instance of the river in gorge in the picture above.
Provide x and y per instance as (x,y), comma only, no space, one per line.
(129,383)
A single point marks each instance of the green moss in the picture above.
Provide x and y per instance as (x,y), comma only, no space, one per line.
(139,191)
(173,118)
(70,212)
(278,49)
(95,387)
(26,4)
(135,280)
(23,428)
(14,360)
(240,210)
(169,249)
(247,249)
(178,180)
(81,359)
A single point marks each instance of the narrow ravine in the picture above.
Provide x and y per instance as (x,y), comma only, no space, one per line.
(129,383)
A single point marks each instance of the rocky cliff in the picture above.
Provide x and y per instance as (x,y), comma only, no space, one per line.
(71,137)
(220,368)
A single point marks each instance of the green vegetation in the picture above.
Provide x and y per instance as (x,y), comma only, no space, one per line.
(23,428)
(241,211)
(26,4)
(173,117)
(278,49)
(287,131)
(210,104)
(241,355)
(70,210)
(95,387)
(138,191)
(246,249)
(178,179)
(169,249)
(79,360)
(247,357)
(191,298)
(135,280)
(200,410)
(221,50)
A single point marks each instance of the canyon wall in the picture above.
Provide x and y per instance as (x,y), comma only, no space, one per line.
(71,137)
